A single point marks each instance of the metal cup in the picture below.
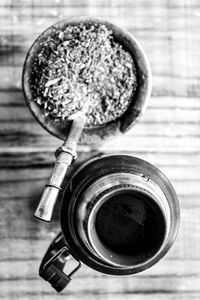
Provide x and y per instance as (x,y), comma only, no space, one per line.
(119,214)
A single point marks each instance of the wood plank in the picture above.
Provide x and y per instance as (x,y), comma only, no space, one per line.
(42,165)
(41,159)
(51,12)
(166,115)
(10,130)
(33,243)
(70,3)
(44,295)
(31,134)
(178,166)
(168,128)
(90,296)
(165,268)
(173,44)
(163,85)
(17,215)
(13,55)
(115,286)
(140,150)
(14,39)
(160,143)
(30,188)
(101,287)
(21,166)
(16,98)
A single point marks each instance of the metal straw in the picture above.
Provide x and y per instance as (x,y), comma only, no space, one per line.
(65,155)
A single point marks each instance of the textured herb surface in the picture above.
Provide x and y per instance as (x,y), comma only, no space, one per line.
(83,64)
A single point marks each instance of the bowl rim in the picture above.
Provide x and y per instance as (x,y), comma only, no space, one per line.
(109,130)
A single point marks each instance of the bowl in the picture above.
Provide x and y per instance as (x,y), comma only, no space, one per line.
(138,102)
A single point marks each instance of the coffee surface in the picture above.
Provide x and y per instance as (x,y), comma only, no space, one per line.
(131,224)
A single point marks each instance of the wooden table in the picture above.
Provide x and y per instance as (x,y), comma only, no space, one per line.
(168,135)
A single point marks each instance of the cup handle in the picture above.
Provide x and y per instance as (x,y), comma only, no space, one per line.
(53,263)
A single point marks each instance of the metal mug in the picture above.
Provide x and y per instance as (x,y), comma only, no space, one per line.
(119,215)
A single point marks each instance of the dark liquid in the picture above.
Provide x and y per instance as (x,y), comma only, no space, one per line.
(131,223)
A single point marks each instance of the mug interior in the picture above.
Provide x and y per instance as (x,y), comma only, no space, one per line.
(128,228)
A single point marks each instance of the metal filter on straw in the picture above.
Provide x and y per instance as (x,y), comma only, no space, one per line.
(73,131)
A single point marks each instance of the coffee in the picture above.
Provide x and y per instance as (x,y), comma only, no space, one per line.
(131,223)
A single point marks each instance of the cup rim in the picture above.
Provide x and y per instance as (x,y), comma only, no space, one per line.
(112,257)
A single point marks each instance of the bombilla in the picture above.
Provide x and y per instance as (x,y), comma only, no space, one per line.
(65,155)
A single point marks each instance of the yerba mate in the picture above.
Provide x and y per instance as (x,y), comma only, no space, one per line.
(83,64)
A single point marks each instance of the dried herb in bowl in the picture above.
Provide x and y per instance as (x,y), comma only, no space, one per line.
(83,64)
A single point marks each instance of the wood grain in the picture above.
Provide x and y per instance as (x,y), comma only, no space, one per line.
(168,135)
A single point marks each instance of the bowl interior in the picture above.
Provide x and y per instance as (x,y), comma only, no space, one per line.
(137,104)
